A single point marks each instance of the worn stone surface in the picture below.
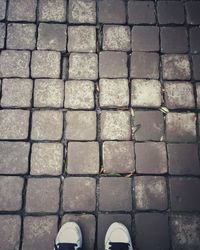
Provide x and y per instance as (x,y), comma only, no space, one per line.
(79,194)
(81,39)
(14,124)
(2,9)
(48,93)
(80,125)
(2,34)
(118,157)
(11,193)
(195,40)
(114,93)
(46,159)
(196,65)
(192,12)
(42,195)
(115,125)
(16,92)
(79,94)
(198,94)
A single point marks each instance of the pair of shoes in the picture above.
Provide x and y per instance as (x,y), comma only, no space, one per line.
(69,237)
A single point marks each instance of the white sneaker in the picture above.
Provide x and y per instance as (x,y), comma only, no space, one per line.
(118,238)
(69,237)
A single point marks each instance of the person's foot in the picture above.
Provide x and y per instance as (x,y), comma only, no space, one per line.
(118,238)
(69,237)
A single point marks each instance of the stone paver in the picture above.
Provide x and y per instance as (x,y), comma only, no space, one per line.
(195,40)
(2,9)
(2,34)
(196,64)
(192,10)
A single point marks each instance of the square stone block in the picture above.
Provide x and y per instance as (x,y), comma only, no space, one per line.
(2,34)
(42,195)
(113,64)
(116,37)
(80,125)
(150,193)
(52,10)
(52,36)
(83,66)
(81,11)
(39,232)
(145,93)
(196,65)
(79,194)
(195,40)
(144,65)
(47,125)
(83,158)
(14,124)
(114,93)
(150,125)
(192,12)
(21,36)
(14,63)
(79,94)
(176,67)
(179,95)
(115,194)
(45,64)
(81,39)
(14,157)
(48,93)
(155,160)
(2,9)
(11,193)
(46,159)
(115,125)
(118,157)
(16,92)
(181,127)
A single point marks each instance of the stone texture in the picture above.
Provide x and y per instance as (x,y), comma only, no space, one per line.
(145,38)
(87,223)
(179,95)
(11,193)
(83,158)
(196,65)
(14,124)
(155,160)
(47,125)
(185,232)
(48,93)
(45,64)
(141,12)
(79,94)
(192,12)
(176,67)
(83,66)
(184,194)
(115,125)
(52,36)
(16,92)
(10,231)
(113,93)
(2,9)
(181,127)
(42,195)
(150,193)
(112,11)
(46,159)
(81,39)
(80,125)
(20,10)
(14,157)
(113,64)
(52,10)
(145,93)
(118,157)
(116,37)
(2,34)
(150,125)
(198,94)
(183,159)
(195,40)
(146,238)
(21,36)
(17,63)
(81,11)
(119,197)
(144,65)
(79,194)
(39,232)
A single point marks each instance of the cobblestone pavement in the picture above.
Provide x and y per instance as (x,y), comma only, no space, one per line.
(99,121)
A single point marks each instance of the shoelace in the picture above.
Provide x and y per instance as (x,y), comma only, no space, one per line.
(65,246)
(118,246)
